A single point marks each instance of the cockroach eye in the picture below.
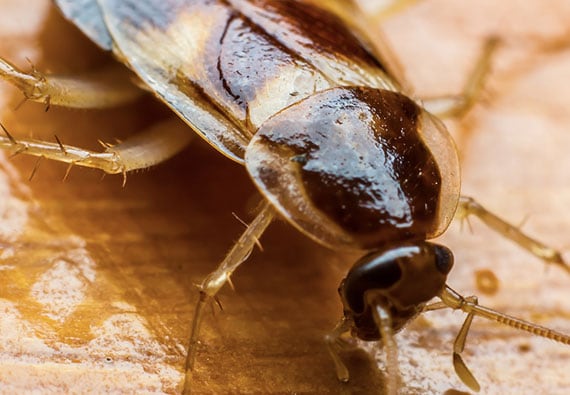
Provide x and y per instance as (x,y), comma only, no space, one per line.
(444,259)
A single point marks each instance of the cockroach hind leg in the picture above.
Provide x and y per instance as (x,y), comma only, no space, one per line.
(105,88)
(458,105)
(212,284)
(150,147)
(468,206)
(32,84)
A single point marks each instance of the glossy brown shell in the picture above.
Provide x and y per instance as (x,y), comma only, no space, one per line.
(350,167)
(227,67)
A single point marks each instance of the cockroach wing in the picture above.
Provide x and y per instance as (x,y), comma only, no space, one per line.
(87,16)
(227,66)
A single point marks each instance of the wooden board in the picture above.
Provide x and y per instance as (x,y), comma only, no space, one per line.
(97,281)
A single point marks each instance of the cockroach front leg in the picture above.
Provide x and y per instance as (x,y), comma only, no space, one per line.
(150,147)
(459,365)
(219,277)
(335,344)
(468,206)
(469,305)
(109,87)
(383,321)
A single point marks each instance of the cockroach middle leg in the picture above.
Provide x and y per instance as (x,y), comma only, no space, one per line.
(219,277)
(458,105)
(108,87)
(468,206)
(152,146)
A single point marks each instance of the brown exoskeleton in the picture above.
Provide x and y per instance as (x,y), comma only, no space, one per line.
(296,92)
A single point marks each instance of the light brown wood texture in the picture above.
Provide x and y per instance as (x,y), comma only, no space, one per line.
(97,281)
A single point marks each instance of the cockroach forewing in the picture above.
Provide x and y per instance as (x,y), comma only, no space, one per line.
(86,14)
(227,66)
(375,42)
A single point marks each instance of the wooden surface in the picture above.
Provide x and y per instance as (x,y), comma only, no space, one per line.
(97,281)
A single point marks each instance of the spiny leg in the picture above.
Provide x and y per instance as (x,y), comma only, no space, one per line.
(108,87)
(458,105)
(150,147)
(468,206)
(216,280)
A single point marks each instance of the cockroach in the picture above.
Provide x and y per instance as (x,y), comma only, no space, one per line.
(322,119)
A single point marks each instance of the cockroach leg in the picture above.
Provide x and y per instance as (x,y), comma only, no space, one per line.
(468,206)
(109,87)
(150,147)
(459,365)
(383,321)
(216,280)
(390,8)
(470,305)
(458,105)
(335,344)
(461,368)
